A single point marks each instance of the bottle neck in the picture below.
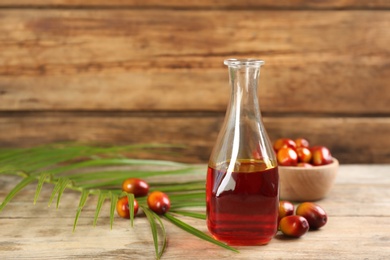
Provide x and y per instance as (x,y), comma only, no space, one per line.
(244,102)
(242,137)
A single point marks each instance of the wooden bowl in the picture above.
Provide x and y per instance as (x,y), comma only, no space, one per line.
(307,184)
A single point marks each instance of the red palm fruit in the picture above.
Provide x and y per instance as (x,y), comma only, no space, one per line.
(159,202)
(122,207)
(302,142)
(294,226)
(284,142)
(286,208)
(287,157)
(304,154)
(136,186)
(320,155)
(313,213)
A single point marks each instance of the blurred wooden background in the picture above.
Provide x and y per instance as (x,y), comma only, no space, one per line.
(128,71)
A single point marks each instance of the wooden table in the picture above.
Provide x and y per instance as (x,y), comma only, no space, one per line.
(358,227)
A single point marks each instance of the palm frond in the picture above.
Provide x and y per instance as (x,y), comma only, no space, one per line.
(99,171)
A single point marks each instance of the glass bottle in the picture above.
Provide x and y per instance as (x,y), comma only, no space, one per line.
(242,187)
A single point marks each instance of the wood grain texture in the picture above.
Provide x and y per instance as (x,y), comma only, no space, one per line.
(140,60)
(358,208)
(350,139)
(127,71)
(247,4)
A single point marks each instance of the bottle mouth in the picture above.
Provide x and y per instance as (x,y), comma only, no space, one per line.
(243,62)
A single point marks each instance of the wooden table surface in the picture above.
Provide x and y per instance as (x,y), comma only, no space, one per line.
(358,227)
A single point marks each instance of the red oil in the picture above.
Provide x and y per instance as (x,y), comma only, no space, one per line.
(246,212)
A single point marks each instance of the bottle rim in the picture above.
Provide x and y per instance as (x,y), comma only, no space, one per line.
(244,62)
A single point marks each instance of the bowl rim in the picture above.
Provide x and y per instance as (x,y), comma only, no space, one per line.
(334,163)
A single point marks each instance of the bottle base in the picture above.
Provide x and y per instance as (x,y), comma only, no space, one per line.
(244,241)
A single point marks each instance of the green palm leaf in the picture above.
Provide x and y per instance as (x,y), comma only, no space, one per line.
(196,232)
(190,214)
(16,190)
(83,200)
(64,183)
(152,217)
(41,180)
(56,190)
(130,198)
(101,199)
(114,199)
(99,171)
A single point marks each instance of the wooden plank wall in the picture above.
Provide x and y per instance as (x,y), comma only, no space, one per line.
(128,71)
